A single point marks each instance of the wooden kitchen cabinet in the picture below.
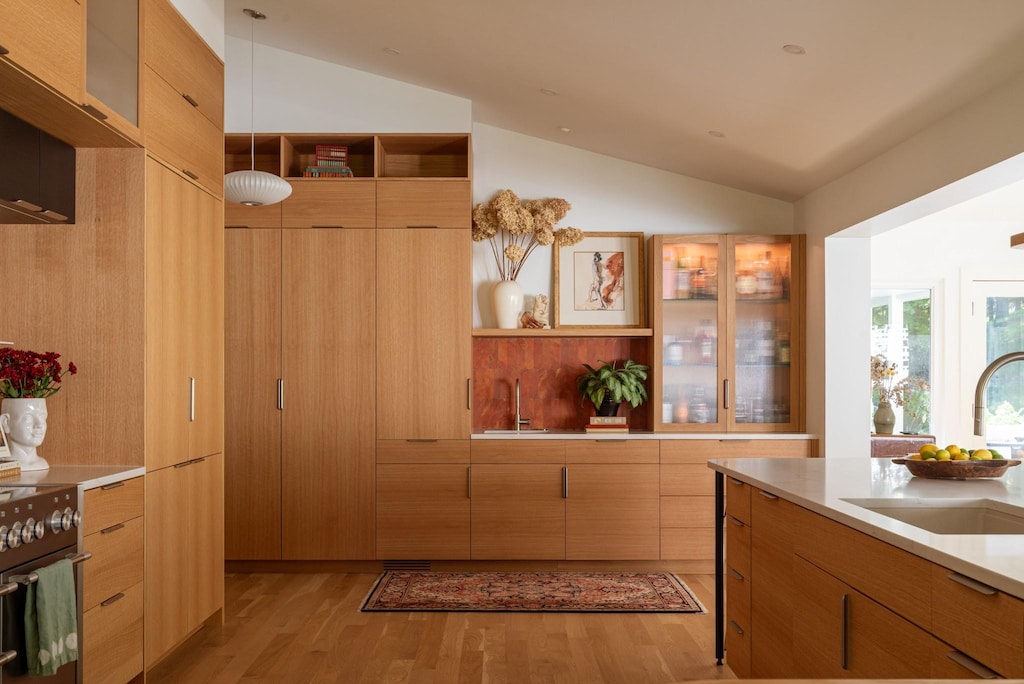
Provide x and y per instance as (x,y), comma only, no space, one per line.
(424,321)
(330,205)
(184,320)
(423,499)
(518,511)
(611,500)
(112,62)
(112,604)
(47,39)
(184,552)
(295,319)
(728,318)
(424,204)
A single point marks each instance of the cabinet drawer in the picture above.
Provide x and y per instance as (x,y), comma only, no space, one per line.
(516,451)
(111,504)
(46,38)
(737,624)
(737,499)
(341,204)
(240,216)
(611,451)
(737,546)
(180,135)
(687,511)
(425,451)
(112,639)
(183,59)
(418,203)
(687,543)
(687,478)
(116,563)
(986,624)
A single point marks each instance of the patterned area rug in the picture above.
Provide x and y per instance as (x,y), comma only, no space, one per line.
(574,592)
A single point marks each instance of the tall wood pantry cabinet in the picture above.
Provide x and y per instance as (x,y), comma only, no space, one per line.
(347,334)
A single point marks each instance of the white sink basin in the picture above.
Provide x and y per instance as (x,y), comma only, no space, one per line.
(950,516)
(521,431)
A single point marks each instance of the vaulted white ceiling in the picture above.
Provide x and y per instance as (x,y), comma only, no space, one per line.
(647,81)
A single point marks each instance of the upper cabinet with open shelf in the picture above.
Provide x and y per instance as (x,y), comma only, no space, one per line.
(382,156)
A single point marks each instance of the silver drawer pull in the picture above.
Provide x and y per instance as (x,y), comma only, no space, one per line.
(768,495)
(737,523)
(971,665)
(974,584)
(736,574)
(112,485)
(735,627)
(112,528)
(739,483)
(113,599)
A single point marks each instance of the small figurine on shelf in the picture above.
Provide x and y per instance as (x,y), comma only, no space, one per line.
(539,317)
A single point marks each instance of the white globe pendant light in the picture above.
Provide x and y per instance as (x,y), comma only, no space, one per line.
(251,187)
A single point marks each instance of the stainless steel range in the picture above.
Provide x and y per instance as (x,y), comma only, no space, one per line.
(38,526)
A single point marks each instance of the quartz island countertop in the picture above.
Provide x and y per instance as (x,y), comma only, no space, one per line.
(822,485)
(85,476)
(558,433)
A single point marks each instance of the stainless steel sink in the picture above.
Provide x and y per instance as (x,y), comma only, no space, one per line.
(950,516)
(521,431)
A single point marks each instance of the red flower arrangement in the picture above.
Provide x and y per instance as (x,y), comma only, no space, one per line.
(29,374)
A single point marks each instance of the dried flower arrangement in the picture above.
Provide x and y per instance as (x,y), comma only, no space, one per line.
(913,395)
(29,374)
(882,374)
(516,227)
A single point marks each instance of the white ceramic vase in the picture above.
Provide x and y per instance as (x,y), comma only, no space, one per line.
(507,296)
(23,422)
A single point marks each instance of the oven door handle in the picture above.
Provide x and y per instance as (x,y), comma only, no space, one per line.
(32,578)
(8,588)
(7,656)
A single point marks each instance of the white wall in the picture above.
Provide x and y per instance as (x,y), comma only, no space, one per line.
(930,171)
(606,194)
(207,18)
(296,94)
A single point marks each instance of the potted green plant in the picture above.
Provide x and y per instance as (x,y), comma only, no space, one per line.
(607,386)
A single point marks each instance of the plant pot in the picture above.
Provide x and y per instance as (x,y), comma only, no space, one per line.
(24,424)
(885,418)
(608,407)
(507,297)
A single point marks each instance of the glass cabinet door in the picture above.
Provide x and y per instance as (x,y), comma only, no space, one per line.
(761,379)
(725,312)
(689,316)
(112,61)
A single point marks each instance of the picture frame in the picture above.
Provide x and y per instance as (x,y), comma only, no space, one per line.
(5,450)
(599,282)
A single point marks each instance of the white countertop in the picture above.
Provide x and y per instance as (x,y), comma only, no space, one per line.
(85,476)
(638,434)
(821,484)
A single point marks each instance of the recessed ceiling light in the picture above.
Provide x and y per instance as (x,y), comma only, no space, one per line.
(565,129)
(794,49)
(392,51)
(548,91)
(716,134)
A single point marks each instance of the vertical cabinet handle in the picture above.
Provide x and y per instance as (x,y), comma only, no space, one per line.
(725,392)
(469,482)
(565,483)
(843,652)
(280,394)
(191,400)
(469,393)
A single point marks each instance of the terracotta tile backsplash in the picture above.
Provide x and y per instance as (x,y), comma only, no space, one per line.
(547,369)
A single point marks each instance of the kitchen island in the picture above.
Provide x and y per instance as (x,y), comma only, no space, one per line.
(806,559)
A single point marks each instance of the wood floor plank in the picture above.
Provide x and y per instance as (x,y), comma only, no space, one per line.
(307,627)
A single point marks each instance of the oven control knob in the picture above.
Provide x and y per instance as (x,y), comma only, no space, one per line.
(76,518)
(65,521)
(55,521)
(40,529)
(14,536)
(3,537)
(28,532)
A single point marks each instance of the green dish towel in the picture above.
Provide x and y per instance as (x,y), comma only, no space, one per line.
(51,619)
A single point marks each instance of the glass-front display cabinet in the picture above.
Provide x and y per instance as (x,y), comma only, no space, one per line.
(727,315)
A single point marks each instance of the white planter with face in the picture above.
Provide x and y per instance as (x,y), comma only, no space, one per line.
(24,424)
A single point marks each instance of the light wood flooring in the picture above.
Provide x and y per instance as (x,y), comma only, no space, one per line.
(296,628)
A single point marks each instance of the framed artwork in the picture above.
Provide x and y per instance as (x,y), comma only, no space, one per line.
(599,282)
(5,451)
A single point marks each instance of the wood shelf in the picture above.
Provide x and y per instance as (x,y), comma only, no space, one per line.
(563,332)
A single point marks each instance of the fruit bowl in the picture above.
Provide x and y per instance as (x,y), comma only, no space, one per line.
(957,470)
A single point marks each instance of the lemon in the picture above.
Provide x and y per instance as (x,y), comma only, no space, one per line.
(953,449)
(915,457)
(928,447)
(981,455)
(962,456)
(944,455)
(935,455)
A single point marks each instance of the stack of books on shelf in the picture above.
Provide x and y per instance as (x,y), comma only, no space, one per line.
(9,468)
(606,424)
(331,162)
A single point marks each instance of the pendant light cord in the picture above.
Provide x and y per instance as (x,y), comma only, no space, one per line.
(252,91)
